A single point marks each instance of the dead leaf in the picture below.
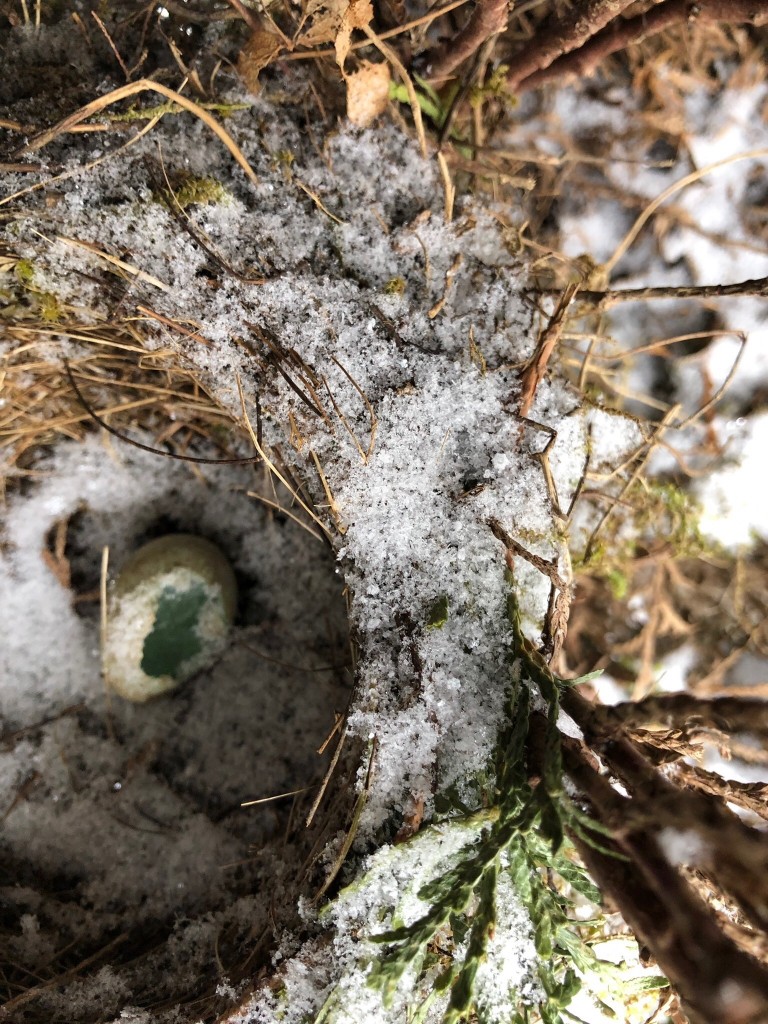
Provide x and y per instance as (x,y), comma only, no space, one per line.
(323,19)
(367,93)
(260,50)
(54,553)
(358,14)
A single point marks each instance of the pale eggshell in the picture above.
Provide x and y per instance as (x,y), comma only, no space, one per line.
(169,615)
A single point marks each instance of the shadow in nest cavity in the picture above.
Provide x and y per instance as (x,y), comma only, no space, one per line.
(124,841)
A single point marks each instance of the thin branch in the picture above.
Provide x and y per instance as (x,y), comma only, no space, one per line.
(752,796)
(562,34)
(545,346)
(624,32)
(725,714)
(132,89)
(729,851)
(659,905)
(249,460)
(602,300)
(488,19)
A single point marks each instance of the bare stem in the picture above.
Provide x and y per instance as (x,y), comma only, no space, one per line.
(563,33)
(623,32)
(488,19)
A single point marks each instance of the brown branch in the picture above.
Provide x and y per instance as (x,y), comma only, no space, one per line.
(536,366)
(731,852)
(562,34)
(545,566)
(660,906)
(725,714)
(488,19)
(752,796)
(249,460)
(627,31)
(689,946)
(602,300)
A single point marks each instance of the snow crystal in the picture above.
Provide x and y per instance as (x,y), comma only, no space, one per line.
(682,846)
(731,515)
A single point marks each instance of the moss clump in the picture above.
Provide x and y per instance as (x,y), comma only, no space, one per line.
(24,271)
(438,613)
(50,310)
(395,286)
(194,191)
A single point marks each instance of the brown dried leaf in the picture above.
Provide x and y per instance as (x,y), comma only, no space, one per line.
(54,553)
(358,14)
(260,50)
(367,93)
(324,19)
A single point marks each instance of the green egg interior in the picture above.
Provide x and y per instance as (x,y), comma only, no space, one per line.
(174,638)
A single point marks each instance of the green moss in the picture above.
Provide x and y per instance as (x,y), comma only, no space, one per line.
(24,271)
(438,613)
(619,583)
(666,511)
(394,286)
(135,113)
(194,191)
(50,310)
(494,88)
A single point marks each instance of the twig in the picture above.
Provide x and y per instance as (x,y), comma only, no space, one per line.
(389,54)
(726,714)
(676,186)
(730,852)
(30,994)
(488,19)
(658,904)
(753,796)
(349,839)
(602,300)
(570,30)
(545,567)
(330,51)
(132,89)
(113,47)
(146,447)
(246,14)
(537,364)
(624,32)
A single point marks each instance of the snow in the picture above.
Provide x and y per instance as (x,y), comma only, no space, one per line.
(682,846)
(734,513)
(137,805)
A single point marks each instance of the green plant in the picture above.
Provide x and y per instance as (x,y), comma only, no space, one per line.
(517,844)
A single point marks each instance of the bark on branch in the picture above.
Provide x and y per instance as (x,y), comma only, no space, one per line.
(583,59)
(657,902)
(488,19)
(562,34)
(668,710)
(732,853)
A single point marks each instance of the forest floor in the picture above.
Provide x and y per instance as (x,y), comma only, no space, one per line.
(423,262)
